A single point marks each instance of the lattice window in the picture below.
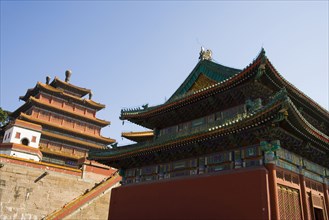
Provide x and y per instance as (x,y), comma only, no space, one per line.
(289,203)
(295,180)
(287,177)
(279,174)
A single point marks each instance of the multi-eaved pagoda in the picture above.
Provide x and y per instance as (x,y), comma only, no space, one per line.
(228,144)
(69,124)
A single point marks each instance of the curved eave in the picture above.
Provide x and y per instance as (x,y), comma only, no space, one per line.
(61,154)
(233,81)
(22,108)
(212,70)
(252,121)
(75,89)
(60,94)
(97,121)
(138,136)
(262,117)
(301,125)
(100,139)
(294,91)
(30,92)
(69,140)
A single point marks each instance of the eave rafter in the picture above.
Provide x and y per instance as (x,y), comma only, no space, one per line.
(216,132)
(32,101)
(295,94)
(196,96)
(48,89)
(266,117)
(100,139)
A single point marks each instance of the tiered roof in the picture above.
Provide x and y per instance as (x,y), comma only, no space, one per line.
(79,91)
(52,131)
(282,110)
(32,101)
(45,124)
(231,78)
(140,136)
(60,93)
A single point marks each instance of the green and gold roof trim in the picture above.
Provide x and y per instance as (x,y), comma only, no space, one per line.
(182,96)
(211,70)
(261,67)
(271,112)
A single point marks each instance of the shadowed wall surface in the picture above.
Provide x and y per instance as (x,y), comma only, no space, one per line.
(238,194)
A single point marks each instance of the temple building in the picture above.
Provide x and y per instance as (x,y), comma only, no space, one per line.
(67,123)
(228,144)
(44,170)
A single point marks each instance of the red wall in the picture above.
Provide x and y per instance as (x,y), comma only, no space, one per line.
(236,194)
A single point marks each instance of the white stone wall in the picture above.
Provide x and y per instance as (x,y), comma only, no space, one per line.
(24,133)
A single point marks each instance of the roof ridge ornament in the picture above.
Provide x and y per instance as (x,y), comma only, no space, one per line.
(68,74)
(48,80)
(262,67)
(205,54)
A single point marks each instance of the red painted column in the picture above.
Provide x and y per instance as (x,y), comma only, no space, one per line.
(326,196)
(274,202)
(304,197)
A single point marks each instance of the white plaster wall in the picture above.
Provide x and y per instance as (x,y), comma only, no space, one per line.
(24,155)
(7,139)
(25,133)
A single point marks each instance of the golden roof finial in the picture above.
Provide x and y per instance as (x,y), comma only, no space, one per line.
(205,54)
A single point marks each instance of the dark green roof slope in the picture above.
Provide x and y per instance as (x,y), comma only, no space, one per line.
(210,69)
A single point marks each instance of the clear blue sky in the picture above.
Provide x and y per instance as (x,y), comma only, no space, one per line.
(132,53)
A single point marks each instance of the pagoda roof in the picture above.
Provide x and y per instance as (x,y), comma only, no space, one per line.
(139,136)
(63,138)
(25,124)
(57,83)
(183,96)
(60,153)
(280,103)
(211,74)
(231,79)
(96,138)
(61,94)
(32,101)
